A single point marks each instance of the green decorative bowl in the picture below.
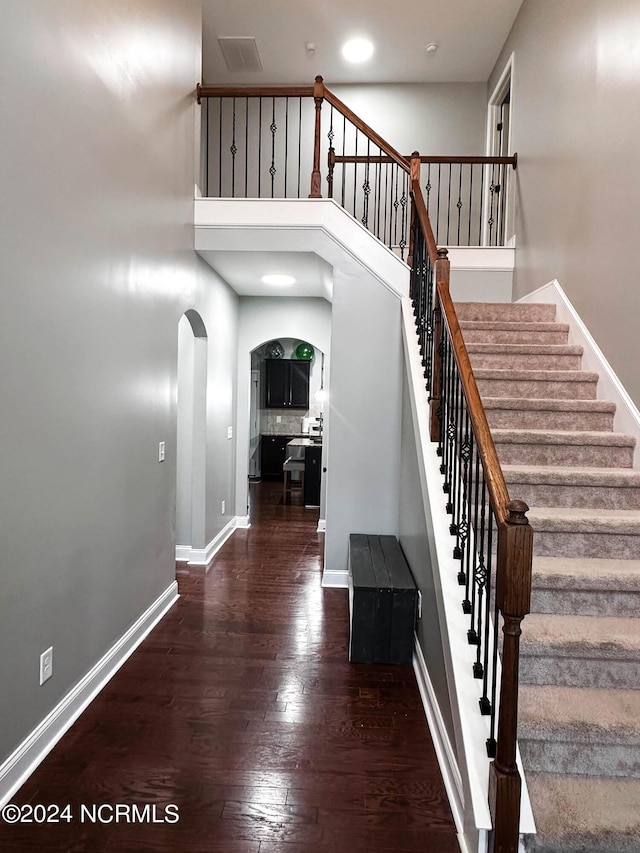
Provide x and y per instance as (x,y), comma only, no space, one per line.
(304,352)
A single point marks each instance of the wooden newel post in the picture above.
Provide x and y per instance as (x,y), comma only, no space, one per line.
(441,274)
(415,167)
(316,178)
(513,598)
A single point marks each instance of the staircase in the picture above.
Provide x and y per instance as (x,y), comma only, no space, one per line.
(579,730)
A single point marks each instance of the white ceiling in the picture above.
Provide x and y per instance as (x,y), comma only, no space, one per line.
(244,270)
(470,34)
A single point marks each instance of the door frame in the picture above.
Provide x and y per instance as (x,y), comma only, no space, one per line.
(502,87)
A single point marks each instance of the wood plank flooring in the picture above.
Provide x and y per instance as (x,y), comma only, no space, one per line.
(242,710)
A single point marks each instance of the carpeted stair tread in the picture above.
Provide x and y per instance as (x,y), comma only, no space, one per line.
(622,478)
(570,573)
(555,485)
(581,520)
(562,437)
(588,715)
(586,637)
(550,405)
(506,311)
(584,814)
(571,376)
(513,326)
(525,349)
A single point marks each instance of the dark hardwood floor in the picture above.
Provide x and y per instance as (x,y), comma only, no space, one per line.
(242,710)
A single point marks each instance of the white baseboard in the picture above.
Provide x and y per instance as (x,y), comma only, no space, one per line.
(204,556)
(440,737)
(17,768)
(627,417)
(243,522)
(335,578)
(322,526)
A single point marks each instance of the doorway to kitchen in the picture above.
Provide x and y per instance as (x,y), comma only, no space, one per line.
(287,424)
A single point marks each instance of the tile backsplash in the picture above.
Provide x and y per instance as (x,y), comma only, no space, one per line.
(291,422)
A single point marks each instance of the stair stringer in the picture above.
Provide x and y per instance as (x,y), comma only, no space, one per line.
(464,765)
(627,417)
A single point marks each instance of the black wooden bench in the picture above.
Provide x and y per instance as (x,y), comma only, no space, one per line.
(383,601)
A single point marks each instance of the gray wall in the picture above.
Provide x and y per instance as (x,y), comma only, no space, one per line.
(96,239)
(412,533)
(432,118)
(575,126)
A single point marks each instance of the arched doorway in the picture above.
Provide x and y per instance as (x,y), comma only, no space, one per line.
(191,445)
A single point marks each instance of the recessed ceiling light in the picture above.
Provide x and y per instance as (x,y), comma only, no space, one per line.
(278,280)
(357,50)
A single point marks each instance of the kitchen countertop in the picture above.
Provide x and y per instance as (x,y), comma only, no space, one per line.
(305,442)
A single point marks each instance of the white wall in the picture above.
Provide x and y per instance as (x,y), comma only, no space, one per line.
(575,126)
(97,262)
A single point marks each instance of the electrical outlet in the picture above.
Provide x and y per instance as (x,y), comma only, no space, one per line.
(224,506)
(46,665)
(278,419)
(161,451)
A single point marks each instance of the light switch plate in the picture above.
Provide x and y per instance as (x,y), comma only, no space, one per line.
(161,451)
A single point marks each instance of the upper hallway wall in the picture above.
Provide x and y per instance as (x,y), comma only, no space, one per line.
(97,260)
(575,126)
(432,118)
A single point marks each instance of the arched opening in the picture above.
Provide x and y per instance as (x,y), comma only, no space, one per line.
(191,446)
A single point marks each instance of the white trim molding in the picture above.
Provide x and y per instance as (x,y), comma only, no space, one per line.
(335,578)
(243,522)
(322,525)
(17,768)
(204,556)
(441,742)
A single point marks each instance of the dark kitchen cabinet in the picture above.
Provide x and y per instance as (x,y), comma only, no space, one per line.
(287,383)
(273,451)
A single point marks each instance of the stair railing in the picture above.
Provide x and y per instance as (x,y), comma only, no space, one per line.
(256,139)
(253,139)
(493,542)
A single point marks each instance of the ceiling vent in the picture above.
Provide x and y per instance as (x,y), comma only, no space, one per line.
(240,54)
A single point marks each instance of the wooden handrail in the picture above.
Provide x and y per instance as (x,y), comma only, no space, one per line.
(368,131)
(489,161)
(498,492)
(204,91)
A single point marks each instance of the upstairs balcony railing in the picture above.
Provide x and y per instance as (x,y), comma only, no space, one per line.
(256,145)
(265,142)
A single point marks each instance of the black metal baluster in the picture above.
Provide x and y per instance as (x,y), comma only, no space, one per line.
(475,524)
(470,201)
(387,238)
(437,228)
(233,148)
(479,576)
(449,204)
(299,144)
(466,453)
(259,147)
(491,742)
(366,188)
(286,143)
(459,202)
(273,128)
(378,199)
(428,186)
(246,148)
(220,153)
(330,137)
(206,147)
(482,201)
(403,204)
